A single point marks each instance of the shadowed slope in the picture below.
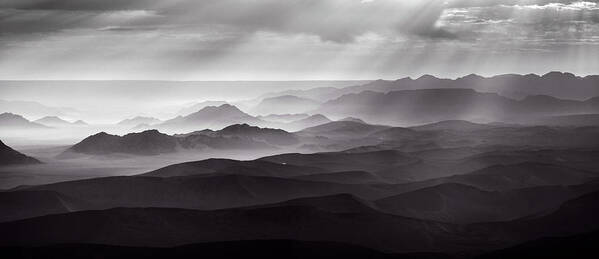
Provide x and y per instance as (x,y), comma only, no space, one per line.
(9,156)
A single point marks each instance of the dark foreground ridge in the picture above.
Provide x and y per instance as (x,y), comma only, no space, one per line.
(578,246)
(264,249)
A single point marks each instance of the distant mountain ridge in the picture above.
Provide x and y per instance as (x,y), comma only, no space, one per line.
(198,106)
(55,121)
(153,142)
(14,121)
(210,117)
(511,85)
(35,110)
(409,107)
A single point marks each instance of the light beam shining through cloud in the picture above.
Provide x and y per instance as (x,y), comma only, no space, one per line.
(271,39)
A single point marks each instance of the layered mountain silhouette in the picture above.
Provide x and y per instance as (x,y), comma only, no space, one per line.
(459,203)
(339,218)
(14,121)
(431,105)
(510,85)
(211,117)
(153,142)
(513,85)
(31,109)
(149,142)
(198,106)
(310,121)
(54,121)
(474,167)
(9,156)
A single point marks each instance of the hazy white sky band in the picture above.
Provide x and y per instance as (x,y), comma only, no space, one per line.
(294,39)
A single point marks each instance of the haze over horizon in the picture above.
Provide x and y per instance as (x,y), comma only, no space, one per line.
(463,129)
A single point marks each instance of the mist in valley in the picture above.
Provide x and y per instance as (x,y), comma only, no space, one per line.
(299,129)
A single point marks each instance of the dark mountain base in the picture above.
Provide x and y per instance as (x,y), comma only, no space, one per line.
(264,249)
(579,246)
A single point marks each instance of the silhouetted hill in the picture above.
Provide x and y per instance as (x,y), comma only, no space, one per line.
(284,104)
(211,117)
(152,142)
(149,142)
(198,106)
(311,121)
(14,121)
(9,156)
(271,136)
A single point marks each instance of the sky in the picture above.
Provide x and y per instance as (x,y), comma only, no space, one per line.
(294,39)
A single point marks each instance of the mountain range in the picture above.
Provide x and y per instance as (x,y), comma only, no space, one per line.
(410,107)
(153,142)
(210,117)
(54,121)
(14,121)
(35,110)
(510,85)
(469,168)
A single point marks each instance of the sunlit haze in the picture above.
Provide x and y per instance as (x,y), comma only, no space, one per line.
(294,40)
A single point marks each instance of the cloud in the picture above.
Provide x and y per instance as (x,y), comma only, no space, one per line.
(250,38)
(574,22)
(331,20)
